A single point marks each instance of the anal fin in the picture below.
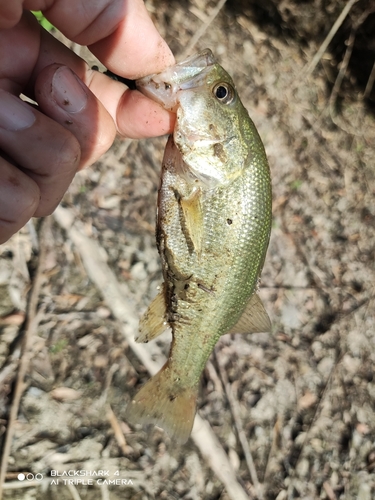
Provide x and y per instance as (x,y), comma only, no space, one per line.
(153,323)
(254,319)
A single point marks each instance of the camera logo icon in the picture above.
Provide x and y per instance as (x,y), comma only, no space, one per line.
(30,477)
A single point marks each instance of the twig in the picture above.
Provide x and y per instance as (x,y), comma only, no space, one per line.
(119,435)
(93,258)
(329,491)
(274,446)
(316,411)
(315,60)
(105,492)
(33,234)
(370,83)
(343,68)
(108,381)
(234,406)
(211,449)
(73,491)
(31,324)
(201,31)
(8,370)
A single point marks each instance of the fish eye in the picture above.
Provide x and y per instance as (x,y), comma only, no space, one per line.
(224,93)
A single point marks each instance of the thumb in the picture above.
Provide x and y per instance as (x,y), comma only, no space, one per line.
(63,97)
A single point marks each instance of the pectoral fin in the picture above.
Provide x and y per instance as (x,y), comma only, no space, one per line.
(254,319)
(193,218)
(153,323)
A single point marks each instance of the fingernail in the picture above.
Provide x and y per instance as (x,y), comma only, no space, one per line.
(14,113)
(67,90)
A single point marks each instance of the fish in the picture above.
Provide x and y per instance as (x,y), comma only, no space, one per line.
(212,232)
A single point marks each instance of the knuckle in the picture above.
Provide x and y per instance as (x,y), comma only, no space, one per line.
(69,154)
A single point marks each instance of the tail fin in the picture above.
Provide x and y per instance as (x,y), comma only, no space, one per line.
(163,402)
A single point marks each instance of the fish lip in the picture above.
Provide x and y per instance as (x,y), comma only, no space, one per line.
(163,87)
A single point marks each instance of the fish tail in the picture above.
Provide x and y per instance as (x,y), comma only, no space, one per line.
(162,401)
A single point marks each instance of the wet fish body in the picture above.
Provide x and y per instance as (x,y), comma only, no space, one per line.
(213,227)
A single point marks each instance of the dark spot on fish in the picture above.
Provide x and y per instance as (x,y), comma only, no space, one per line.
(211,126)
(172,397)
(69,122)
(177,195)
(229,222)
(167,85)
(219,151)
(186,286)
(174,317)
(66,102)
(204,288)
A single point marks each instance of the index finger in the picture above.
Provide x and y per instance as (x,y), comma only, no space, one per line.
(135,115)
(119,32)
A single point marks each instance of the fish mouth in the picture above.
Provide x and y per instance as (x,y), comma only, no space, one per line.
(163,87)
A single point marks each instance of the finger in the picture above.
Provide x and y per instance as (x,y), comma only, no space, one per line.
(119,45)
(44,150)
(19,53)
(19,199)
(125,51)
(62,96)
(10,13)
(135,115)
(119,32)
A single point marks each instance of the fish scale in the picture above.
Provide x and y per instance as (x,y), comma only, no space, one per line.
(212,232)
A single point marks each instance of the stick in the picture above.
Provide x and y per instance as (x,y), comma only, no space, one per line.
(104,278)
(73,491)
(119,435)
(343,68)
(370,83)
(234,406)
(201,31)
(31,324)
(315,60)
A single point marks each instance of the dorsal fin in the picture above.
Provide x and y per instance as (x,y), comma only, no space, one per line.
(254,319)
(153,323)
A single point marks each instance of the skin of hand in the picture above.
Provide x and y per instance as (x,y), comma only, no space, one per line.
(79,110)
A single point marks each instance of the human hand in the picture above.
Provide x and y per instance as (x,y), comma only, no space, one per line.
(79,110)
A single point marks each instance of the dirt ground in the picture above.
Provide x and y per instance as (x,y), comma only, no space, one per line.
(286,415)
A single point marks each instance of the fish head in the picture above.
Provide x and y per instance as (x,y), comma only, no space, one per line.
(210,115)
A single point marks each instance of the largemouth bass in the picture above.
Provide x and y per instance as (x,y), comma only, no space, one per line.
(213,228)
